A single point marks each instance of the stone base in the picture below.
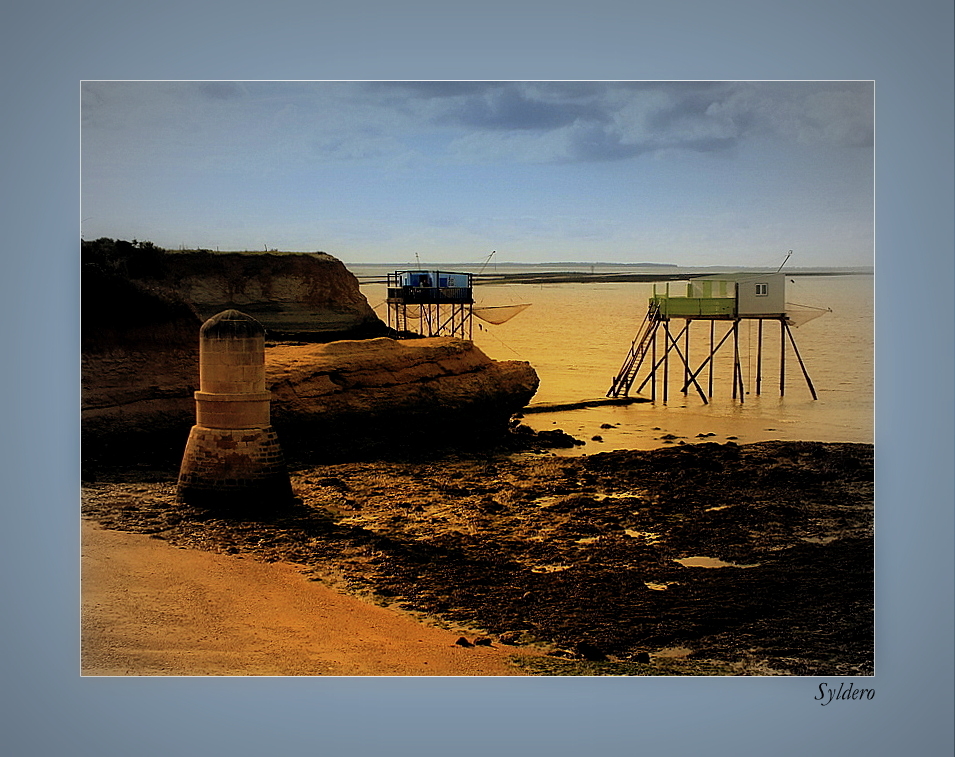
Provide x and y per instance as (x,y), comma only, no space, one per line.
(233,466)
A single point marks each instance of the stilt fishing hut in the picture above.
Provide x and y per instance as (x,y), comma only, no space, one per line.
(430,303)
(727,299)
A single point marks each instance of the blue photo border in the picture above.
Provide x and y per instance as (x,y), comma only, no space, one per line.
(49,47)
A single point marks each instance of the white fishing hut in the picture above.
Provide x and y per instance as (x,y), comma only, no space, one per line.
(709,299)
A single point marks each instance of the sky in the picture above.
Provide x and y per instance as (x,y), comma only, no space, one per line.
(691,173)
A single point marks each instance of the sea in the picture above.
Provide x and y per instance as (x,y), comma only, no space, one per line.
(577,334)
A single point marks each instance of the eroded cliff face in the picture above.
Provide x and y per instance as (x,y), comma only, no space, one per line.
(307,296)
(140,366)
(352,398)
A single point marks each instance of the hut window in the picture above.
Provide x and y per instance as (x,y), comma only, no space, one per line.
(762,290)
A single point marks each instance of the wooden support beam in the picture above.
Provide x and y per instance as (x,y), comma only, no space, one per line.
(709,360)
(737,368)
(662,361)
(686,365)
(802,365)
(712,332)
(782,357)
(666,360)
(653,369)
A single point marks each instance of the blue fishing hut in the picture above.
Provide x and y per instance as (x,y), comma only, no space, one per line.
(430,303)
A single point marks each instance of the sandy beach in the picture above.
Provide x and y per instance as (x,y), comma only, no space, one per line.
(152,609)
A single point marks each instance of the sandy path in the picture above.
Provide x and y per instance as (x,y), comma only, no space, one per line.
(152,609)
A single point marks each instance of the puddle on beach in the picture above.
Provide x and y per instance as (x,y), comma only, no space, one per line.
(657,586)
(714,509)
(549,568)
(673,652)
(647,536)
(710,562)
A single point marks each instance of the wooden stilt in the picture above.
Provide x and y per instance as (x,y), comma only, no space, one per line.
(710,359)
(759,356)
(802,365)
(686,365)
(686,359)
(662,360)
(739,365)
(666,359)
(653,369)
(735,356)
(782,357)
(710,386)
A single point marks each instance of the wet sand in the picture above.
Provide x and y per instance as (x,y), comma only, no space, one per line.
(152,609)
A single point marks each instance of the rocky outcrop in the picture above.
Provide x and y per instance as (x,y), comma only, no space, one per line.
(142,310)
(350,398)
(335,401)
(140,358)
(308,296)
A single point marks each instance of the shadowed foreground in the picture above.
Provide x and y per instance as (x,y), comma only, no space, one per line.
(580,555)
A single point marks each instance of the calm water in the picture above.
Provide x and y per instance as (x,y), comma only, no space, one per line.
(577,335)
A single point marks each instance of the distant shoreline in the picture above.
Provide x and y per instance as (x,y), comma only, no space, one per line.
(579,277)
(570,273)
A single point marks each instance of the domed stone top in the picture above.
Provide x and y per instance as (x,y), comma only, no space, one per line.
(231,324)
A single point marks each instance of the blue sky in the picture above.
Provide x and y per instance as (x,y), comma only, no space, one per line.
(694,173)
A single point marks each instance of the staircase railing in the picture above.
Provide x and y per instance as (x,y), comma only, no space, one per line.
(638,350)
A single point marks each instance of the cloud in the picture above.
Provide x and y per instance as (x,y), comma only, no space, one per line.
(591,122)
(410,123)
(839,114)
(516,107)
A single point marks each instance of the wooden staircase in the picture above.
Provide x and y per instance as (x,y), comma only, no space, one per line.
(638,350)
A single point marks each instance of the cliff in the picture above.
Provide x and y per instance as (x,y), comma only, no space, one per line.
(142,310)
(307,296)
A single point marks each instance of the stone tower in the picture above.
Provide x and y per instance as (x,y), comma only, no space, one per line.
(232,456)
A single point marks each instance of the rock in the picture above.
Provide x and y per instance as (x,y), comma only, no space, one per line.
(596,438)
(642,657)
(511,638)
(482,641)
(558,438)
(587,651)
(353,397)
(462,642)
